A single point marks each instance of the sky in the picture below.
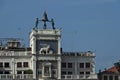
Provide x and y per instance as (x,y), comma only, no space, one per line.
(87,25)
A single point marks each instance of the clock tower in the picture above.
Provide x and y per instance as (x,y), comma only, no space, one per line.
(45,45)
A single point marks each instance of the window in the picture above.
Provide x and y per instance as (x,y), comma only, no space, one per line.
(81,73)
(1,65)
(25,64)
(87,65)
(81,65)
(53,72)
(1,72)
(105,78)
(63,65)
(110,77)
(69,65)
(7,65)
(47,70)
(39,72)
(63,73)
(19,72)
(25,72)
(19,64)
(7,72)
(87,72)
(69,73)
(116,77)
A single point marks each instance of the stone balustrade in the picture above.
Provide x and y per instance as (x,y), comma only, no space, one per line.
(16,76)
(72,77)
(14,53)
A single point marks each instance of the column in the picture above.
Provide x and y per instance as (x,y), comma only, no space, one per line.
(114,77)
(42,70)
(76,67)
(34,67)
(59,69)
(50,70)
(34,45)
(118,77)
(59,50)
(13,67)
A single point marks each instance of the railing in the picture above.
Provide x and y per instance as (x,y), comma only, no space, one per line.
(18,76)
(52,32)
(13,53)
(87,54)
(91,76)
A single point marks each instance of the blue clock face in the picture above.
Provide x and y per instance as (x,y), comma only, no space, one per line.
(51,44)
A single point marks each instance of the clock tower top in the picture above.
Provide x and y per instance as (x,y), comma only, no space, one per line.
(45,38)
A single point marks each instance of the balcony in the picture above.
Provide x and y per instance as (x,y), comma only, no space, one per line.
(86,77)
(16,77)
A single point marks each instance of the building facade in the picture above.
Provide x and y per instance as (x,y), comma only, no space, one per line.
(15,61)
(112,73)
(44,59)
(78,65)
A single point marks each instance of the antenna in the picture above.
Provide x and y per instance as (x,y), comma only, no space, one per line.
(19,32)
(20,35)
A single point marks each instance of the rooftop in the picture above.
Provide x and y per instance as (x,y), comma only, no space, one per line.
(88,53)
(12,44)
(113,69)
